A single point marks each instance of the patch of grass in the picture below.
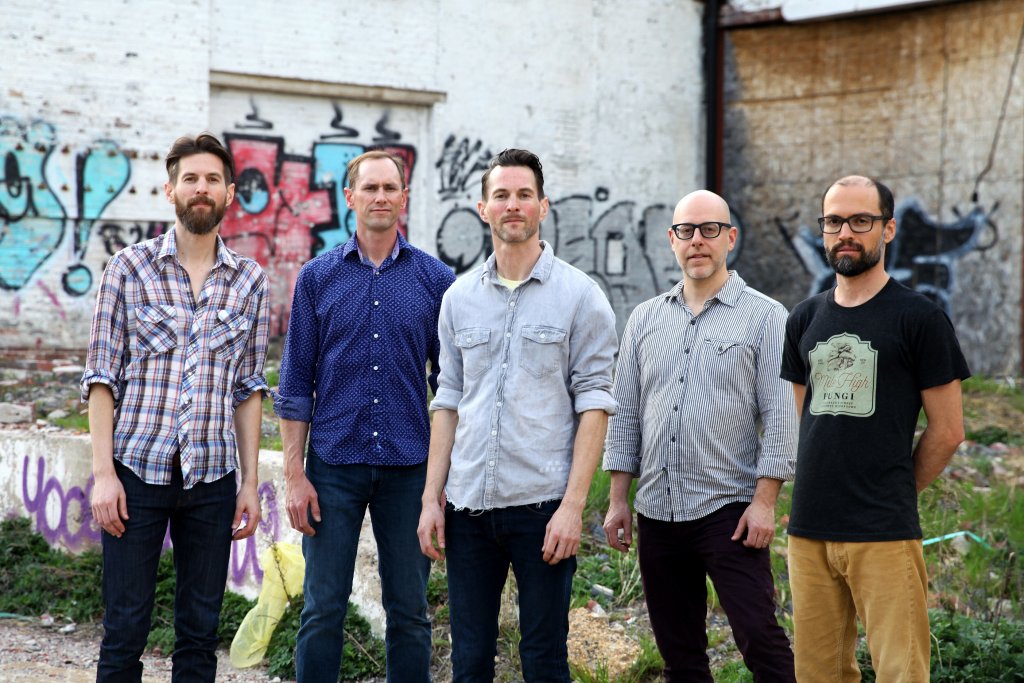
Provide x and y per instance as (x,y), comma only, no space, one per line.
(36,579)
(363,654)
(990,434)
(965,650)
(74,422)
(734,671)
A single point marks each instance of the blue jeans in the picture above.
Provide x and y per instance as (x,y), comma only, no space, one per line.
(480,548)
(393,496)
(200,520)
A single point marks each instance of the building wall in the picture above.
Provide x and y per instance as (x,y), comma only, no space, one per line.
(925,100)
(92,95)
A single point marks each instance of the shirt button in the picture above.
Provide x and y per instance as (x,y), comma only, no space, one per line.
(375,335)
(512,304)
(684,350)
(376,400)
(543,336)
(508,334)
(375,433)
(693,321)
(673,439)
(504,365)
(375,367)
(376,303)
(494,432)
(675,407)
(499,404)
(490,463)
(682,379)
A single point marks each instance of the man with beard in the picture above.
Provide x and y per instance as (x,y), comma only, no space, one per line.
(527,343)
(363,328)
(174,381)
(854,536)
(709,428)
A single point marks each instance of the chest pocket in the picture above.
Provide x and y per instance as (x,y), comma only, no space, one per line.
(730,364)
(229,332)
(473,343)
(156,329)
(541,353)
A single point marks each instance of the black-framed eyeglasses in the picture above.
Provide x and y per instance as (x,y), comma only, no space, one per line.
(859,222)
(709,230)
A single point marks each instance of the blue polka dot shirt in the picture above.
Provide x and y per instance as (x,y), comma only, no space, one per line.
(355,358)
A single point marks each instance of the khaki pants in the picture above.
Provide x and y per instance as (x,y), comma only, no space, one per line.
(885,584)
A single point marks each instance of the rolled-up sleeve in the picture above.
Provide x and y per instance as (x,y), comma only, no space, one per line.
(108,352)
(622,447)
(777,458)
(449,382)
(592,354)
(250,375)
(294,399)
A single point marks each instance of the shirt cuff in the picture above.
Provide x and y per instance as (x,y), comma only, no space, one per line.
(91,377)
(779,468)
(446,399)
(613,462)
(596,400)
(298,408)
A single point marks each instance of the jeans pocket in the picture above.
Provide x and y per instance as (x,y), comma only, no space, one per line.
(545,509)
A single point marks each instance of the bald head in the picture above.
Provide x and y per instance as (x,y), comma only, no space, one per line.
(701,206)
(886,203)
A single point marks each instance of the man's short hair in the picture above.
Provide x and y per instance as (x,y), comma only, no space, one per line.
(515,157)
(353,166)
(885,199)
(204,143)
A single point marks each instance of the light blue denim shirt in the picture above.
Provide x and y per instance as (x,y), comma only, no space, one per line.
(518,367)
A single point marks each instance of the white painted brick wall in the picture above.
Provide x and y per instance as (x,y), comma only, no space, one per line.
(607,94)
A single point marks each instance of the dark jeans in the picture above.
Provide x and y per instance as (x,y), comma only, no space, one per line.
(393,496)
(674,558)
(480,548)
(200,520)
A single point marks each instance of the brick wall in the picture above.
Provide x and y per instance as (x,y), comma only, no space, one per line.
(92,95)
(914,98)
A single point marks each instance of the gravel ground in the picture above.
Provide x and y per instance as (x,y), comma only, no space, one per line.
(31,652)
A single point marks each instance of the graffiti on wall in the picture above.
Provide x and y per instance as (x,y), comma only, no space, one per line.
(290,207)
(33,218)
(61,514)
(923,255)
(622,245)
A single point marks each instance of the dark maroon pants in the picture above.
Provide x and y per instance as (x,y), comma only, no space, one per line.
(674,558)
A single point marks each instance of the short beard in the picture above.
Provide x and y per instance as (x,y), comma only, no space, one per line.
(196,222)
(848,266)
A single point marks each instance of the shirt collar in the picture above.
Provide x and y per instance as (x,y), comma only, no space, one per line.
(353,246)
(729,294)
(168,248)
(541,270)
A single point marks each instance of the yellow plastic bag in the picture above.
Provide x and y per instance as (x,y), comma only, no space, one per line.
(283,569)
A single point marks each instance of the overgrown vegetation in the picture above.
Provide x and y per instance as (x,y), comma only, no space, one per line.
(976,587)
(36,580)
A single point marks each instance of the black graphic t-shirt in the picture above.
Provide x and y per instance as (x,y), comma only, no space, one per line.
(864,368)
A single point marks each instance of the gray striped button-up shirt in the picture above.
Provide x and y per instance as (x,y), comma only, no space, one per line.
(702,412)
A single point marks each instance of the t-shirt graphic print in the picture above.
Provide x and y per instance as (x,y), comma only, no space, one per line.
(844,370)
